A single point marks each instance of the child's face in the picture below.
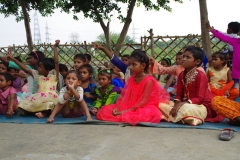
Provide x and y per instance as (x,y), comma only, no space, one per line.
(125,60)
(229,31)
(188,60)
(216,61)
(87,61)
(135,66)
(72,78)
(179,59)
(3,68)
(42,70)
(31,61)
(85,75)
(3,83)
(12,71)
(164,63)
(63,72)
(103,80)
(78,63)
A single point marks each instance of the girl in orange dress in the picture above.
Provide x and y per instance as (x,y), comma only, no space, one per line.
(219,77)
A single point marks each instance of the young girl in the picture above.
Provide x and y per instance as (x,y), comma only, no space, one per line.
(42,102)
(70,100)
(219,77)
(166,62)
(32,60)
(107,93)
(8,95)
(234,42)
(139,100)
(192,104)
(118,78)
(86,72)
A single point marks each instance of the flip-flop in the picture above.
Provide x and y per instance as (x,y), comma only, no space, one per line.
(226,134)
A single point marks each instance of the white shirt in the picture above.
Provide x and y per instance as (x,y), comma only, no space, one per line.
(61,99)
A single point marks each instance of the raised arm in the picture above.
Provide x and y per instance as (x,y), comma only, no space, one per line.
(221,36)
(21,65)
(56,58)
(114,59)
(157,68)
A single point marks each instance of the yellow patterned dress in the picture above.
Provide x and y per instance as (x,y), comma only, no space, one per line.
(45,98)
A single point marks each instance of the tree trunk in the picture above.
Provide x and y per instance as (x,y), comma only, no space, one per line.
(125,28)
(27,26)
(205,34)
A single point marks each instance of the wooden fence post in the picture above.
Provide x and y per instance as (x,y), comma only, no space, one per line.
(45,50)
(152,41)
(85,45)
(14,49)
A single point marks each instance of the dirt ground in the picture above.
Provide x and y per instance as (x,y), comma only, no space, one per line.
(112,142)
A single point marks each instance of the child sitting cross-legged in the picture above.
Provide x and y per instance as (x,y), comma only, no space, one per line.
(70,101)
(107,93)
(192,104)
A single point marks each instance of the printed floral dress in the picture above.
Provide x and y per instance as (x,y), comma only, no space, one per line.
(45,98)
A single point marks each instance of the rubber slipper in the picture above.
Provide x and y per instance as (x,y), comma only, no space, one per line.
(226,134)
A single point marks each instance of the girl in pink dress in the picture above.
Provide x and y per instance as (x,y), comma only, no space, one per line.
(8,95)
(139,99)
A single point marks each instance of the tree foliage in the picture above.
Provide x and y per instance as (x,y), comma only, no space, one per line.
(13,7)
(114,38)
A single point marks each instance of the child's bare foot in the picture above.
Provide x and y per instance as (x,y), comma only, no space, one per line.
(40,115)
(50,120)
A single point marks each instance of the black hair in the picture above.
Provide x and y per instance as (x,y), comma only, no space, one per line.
(80,56)
(73,71)
(37,55)
(141,57)
(6,65)
(168,60)
(88,56)
(8,77)
(18,58)
(48,63)
(62,67)
(197,53)
(126,55)
(220,55)
(179,53)
(88,67)
(105,72)
(234,26)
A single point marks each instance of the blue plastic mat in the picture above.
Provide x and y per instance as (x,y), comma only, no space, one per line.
(81,120)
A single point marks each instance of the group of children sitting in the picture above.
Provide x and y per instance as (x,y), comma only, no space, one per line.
(128,91)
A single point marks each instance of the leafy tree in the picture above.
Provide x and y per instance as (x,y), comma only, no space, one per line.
(21,8)
(114,38)
(101,11)
(74,37)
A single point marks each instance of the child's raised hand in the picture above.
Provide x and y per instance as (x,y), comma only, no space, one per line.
(9,57)
(210,28)
(97,46)
(56,43)
(151,60)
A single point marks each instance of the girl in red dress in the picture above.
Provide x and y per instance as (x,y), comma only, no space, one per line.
(139,99)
